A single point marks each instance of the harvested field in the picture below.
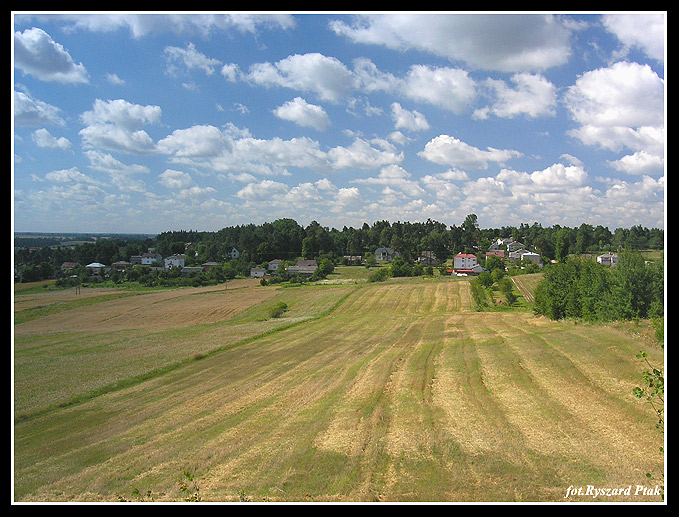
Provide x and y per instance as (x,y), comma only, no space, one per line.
(401,393)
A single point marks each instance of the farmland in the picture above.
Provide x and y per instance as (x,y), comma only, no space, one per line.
(395,391)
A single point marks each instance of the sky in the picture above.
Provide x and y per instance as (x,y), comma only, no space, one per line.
(135,122)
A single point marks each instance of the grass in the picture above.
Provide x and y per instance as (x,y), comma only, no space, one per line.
(397,391)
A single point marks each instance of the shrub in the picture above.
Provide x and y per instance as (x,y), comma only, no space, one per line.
(277,310)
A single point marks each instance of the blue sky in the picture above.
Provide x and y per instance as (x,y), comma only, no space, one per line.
(143,123)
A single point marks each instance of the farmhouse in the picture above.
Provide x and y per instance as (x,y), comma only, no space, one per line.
(274,265)
(174,261)
(67,266)
(257,272)
(208,265)
(522,254)
(385,254)
(95,267)
(121,265)
(233,254)
(428,258)
(304,267)
(149,258)
(608,259)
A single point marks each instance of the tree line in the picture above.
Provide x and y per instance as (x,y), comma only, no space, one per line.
(584,289)
(286,239)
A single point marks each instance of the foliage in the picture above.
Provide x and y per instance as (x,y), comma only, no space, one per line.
(285,239)
(653,391)
(380,275)
(278,310)
(582,288)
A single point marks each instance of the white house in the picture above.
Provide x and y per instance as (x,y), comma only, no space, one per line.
(464,261)
(385,254)
(175,261)
(257,272)
(95,267)
(273,265)
(149,258)
(233,254)
(608,259)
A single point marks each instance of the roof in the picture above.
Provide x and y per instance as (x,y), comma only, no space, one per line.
(467,255)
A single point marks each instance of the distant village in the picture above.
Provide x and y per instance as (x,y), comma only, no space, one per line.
(463,264)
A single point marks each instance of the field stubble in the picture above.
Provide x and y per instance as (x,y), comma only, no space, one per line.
(401,393)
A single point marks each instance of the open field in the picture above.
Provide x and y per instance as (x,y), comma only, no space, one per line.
(395,391)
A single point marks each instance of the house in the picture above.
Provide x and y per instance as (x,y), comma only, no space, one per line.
(475,270)
(274,265)
(523,254)
(149,258)
(608,259)
(385,254)
(464,261)
(428,258)
(500,243)
(496,253)
(121,265)
(208,265)
(505,242)
(257,272)
(68,266)
(304,267)
(233,254)
(175,261)
(95,267)
(352,260)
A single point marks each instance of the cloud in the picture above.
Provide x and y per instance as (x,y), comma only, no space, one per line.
(409,120)
(116,126)
(361,154)
(505,42)
(43,138)
(122,113)
(641,162)
(394,178)
(640,30)
(315,73)
(30,112)
(303,114)
(533,96)
(37,54)
(449,88)
(448,150)
(141,25)
(72,175)
(622,95)
(190,58)
(621,107)
(114,138)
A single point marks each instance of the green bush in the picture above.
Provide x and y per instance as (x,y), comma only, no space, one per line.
(278,310)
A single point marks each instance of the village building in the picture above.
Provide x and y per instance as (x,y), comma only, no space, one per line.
(174,261)
(257,272)
(303,267)
(608,259)
(385,254)
(428,258)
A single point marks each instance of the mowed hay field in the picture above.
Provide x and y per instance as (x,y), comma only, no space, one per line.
(397,391)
